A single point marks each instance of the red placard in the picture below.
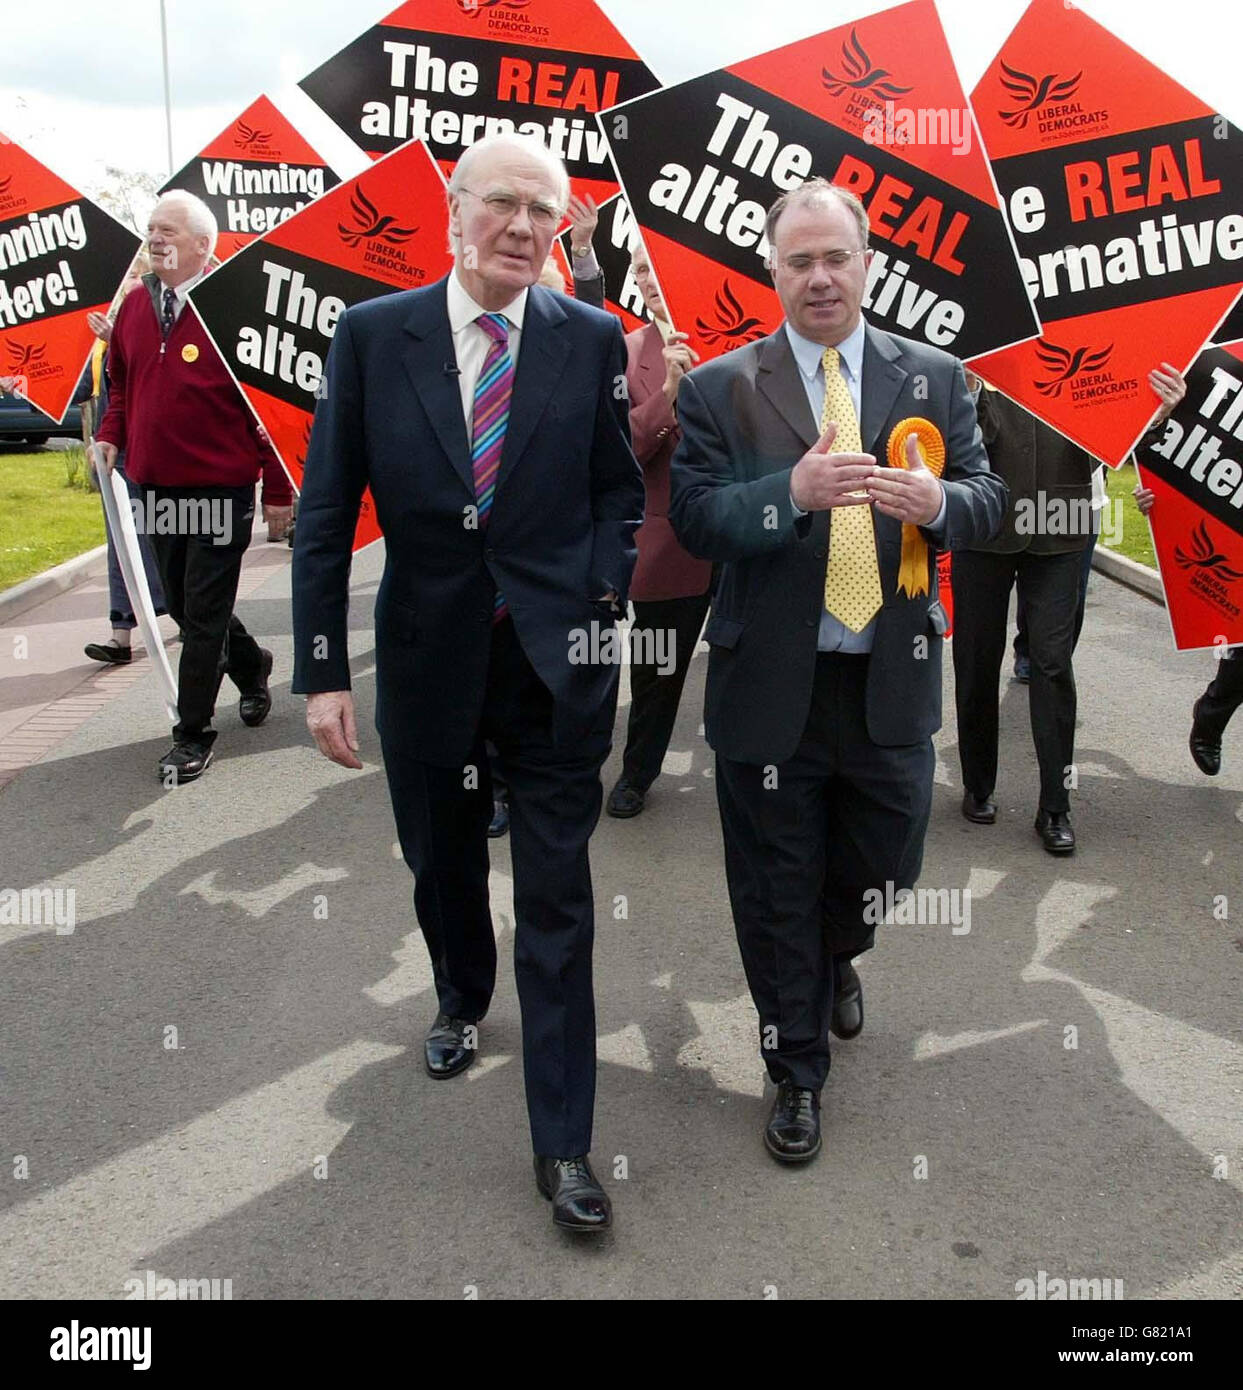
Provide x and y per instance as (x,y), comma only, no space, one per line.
(1194,465)
(273,308)
(61,256)
(257,173)
(945,588)
(876,106)
(1123,191)
(451,71)
(1230,330)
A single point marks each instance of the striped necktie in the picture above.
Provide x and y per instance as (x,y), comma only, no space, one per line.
(493,391)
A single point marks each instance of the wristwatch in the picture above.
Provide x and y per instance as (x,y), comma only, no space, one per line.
(580,251)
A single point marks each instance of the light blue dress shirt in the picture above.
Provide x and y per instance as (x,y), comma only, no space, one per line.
(835,636)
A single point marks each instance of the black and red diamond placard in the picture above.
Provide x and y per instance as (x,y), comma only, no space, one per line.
(874,105)
(451,71)
(273,308)
(611,245)
(254,175)
(1194,465)
(1125,195)
(61,256)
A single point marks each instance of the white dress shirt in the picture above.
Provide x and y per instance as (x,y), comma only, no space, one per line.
(835,636)
(471,340)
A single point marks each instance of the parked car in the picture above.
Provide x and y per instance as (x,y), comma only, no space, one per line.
(20,420)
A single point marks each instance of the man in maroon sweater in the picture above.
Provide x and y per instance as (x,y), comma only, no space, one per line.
(196,451)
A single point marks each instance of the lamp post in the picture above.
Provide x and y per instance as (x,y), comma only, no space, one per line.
(168,100)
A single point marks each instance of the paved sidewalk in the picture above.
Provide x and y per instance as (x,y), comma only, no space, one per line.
(217,1072)
(49,688)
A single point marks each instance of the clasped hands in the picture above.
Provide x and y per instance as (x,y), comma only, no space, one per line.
(822,479)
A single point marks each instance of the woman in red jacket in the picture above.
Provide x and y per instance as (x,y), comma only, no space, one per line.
(671,588)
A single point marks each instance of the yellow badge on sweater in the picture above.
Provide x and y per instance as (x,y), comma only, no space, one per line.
(189,353)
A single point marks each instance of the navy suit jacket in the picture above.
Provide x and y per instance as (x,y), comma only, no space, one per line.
(569,497)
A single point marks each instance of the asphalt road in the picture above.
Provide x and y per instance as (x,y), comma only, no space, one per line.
(1069,1070)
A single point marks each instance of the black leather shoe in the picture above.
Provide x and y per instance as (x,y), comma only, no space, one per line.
(579,1203)
(110,653)
(1205,747)
(980,810)
(1053,827)
(792,1134)
(255,705)
(625,800)
(499,825)
(847,1020)
(184,762)
(448,1047)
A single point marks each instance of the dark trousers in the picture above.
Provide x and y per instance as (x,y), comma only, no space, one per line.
(200,589)
(500,789)
(1049,588)
(1224,694)
(804,842)
(442,816)
(1085,574)
(654,696)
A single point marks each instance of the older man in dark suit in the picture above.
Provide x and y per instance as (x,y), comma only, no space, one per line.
(824,680)
(487,417)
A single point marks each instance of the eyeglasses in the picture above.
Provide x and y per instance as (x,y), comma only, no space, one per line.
(505,205)
(835,260)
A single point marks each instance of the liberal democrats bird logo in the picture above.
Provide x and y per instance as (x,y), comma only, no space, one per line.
(248,135)
(4,183)
(473,7)
(369,225)
(25,354)
(1204,557)
(733,325)
(1034,92)
(1067,364)
(860,76)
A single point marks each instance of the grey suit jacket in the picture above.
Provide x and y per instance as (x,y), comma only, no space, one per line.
(745,424)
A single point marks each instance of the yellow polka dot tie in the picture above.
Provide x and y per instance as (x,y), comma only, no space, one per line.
(852,585)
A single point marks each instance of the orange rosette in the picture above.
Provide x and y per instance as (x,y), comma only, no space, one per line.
(913,570)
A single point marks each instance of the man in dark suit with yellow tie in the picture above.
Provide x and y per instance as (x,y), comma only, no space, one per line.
(824,679)
(488,416)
